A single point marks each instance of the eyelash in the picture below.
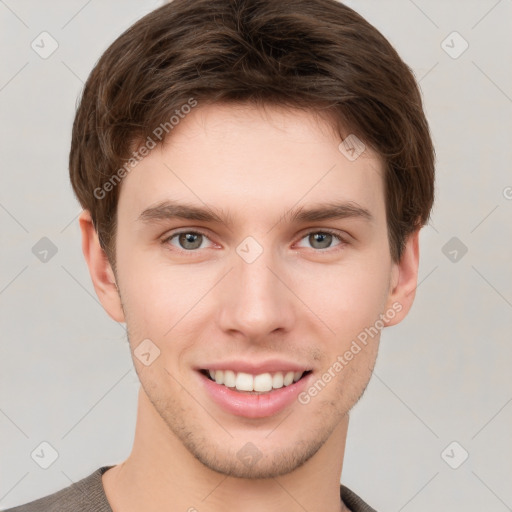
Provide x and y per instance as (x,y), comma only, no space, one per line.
(191,252)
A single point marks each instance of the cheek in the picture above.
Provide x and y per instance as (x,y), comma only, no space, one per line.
(158,296)
(348,296)
(141,296)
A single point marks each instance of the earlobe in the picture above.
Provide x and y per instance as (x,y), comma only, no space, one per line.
(102,275)
(404,281)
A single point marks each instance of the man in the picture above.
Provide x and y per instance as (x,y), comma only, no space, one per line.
(254,176)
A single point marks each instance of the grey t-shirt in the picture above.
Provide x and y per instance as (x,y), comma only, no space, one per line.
(88,495)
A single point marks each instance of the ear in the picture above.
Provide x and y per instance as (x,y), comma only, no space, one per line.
(101,272)
(403,283)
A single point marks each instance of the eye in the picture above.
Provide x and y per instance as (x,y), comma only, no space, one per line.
(323,239)
(187,240)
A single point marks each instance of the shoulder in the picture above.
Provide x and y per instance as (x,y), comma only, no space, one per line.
(353,501)
(86,495)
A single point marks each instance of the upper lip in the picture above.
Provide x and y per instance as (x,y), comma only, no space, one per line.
(256,368)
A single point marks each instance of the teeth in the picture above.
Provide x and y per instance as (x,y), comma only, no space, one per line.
(277,380)
(288,378)
(244,382)
(263,382)
(229,379)
(219,377)
(260,383)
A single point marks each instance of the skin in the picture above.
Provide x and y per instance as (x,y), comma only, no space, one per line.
(300,301)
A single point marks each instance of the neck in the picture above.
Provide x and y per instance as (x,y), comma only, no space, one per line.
(161,474)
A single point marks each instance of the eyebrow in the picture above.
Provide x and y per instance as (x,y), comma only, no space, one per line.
(329,211)
(168,210)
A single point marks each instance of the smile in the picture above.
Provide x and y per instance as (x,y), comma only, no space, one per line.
(246,382)
(254,395)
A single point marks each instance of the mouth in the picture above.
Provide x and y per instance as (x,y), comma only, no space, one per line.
(254,389)
(250,384)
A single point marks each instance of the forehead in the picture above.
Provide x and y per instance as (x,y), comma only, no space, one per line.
(243,159)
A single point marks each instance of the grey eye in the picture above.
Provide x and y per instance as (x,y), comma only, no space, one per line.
(320,240)
(187,240)
(190,241)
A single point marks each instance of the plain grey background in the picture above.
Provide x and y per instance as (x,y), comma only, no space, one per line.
(442,388)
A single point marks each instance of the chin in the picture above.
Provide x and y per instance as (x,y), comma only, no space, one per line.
(249,462)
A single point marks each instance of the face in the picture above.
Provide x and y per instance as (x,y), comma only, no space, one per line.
(251,251)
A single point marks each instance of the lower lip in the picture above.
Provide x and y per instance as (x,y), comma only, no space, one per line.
(253,406)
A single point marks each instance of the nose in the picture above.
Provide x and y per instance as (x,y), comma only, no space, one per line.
(255,300)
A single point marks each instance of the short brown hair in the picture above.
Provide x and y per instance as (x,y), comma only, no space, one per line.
(317,55)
